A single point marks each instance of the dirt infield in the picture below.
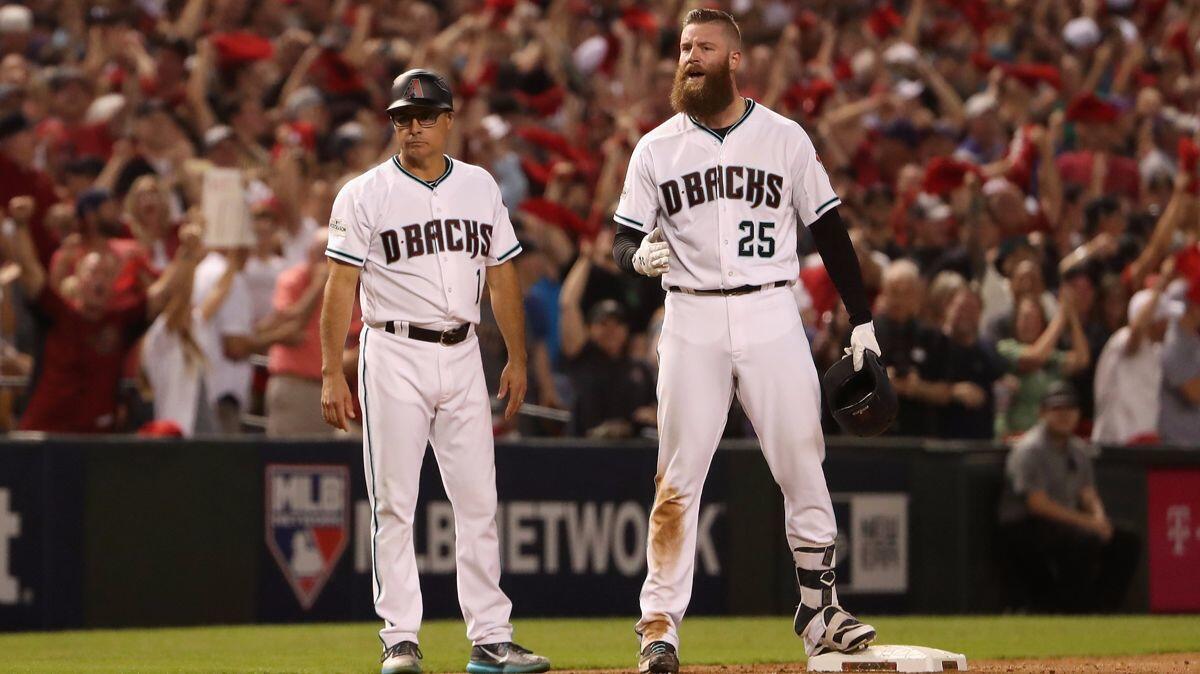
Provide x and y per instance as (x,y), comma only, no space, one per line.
(1172,663)
(1132,664)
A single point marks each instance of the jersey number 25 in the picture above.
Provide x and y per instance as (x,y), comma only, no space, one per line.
(760,231)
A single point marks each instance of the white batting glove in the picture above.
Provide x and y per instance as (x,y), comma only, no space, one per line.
(653,257)
(861,339)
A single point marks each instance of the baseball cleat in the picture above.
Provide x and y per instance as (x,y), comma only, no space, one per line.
(840,632)
(505,658)
(401,658)
(658,657)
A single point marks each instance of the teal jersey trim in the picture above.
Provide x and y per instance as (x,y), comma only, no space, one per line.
(348,256)
(427,183)
(511,251)
(825,205)
(750,105)
(628,221)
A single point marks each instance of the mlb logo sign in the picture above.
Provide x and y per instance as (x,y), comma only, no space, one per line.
(307,523)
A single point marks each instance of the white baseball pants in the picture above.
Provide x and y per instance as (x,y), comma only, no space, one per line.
(414,392)
(711,348)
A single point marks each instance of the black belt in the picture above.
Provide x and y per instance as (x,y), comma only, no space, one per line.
(445,337)
(740,290)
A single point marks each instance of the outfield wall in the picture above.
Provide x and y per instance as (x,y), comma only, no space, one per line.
(124,532)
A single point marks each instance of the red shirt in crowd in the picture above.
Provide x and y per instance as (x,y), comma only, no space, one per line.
(134,265)
(81,365)
(19,182)
(76,140)
(1122,177)
(304,359)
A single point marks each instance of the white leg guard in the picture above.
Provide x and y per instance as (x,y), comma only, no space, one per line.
(820,621)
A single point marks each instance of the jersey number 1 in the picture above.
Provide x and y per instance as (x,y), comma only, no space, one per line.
(764,235)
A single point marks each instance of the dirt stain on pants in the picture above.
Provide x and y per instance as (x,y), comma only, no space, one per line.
(654,628)
(666,527)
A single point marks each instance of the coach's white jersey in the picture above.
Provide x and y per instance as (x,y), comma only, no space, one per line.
(728,208)
(423,246)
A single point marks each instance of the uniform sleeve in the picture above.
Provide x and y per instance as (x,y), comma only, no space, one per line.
(1024,472)
(1087,473)
(638,207)
(349,228)
(504,245)
(812,195)
(234,316)
(1180,364)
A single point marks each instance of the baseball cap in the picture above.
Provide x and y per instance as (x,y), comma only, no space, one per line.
(423,88)
(1090,108)
(303,98)
(15,19)
(495,126)
(12,124)
(1082,32)
(1165,309)
(347,136)
(104,108)
(979,104)
(90,200)
(930,207)
(902,54)
(64,75)
(215,135)
(88,166)
(1060,395)
(909,89)
(606,309)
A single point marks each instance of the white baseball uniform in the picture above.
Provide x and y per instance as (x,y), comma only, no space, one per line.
(424,248)
(729,209)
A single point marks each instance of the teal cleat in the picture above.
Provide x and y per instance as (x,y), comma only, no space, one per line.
(401,658)
(505,658)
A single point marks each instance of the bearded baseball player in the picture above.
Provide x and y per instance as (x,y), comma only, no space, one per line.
(424,233)
(712,202)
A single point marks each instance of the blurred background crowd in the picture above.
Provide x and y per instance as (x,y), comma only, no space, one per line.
(1019,177)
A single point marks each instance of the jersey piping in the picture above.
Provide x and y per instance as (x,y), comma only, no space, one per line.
(427,183)
(345,257)
(749,108)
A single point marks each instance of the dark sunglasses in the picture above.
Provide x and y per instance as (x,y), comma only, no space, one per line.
(425,118)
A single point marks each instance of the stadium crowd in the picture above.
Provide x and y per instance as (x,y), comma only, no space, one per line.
(1019,176)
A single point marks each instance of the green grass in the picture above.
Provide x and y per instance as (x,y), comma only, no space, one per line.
(573,644)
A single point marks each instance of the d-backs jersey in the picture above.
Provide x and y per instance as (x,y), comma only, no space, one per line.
(728,207)
(423,246)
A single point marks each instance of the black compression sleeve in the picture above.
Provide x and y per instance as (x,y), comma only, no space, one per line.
(837,252)
(625,244)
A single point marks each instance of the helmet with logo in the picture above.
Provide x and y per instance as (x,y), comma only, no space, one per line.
(423,88)
(864,402)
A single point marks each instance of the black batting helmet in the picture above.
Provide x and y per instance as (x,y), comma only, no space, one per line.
(423,88)
(864,402)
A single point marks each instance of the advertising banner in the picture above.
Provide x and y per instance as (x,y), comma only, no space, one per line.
(40,531)
(1173,528)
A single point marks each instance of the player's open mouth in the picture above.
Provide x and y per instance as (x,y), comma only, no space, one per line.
(695,74)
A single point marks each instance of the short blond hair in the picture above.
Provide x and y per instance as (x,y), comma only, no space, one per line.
(707,15)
